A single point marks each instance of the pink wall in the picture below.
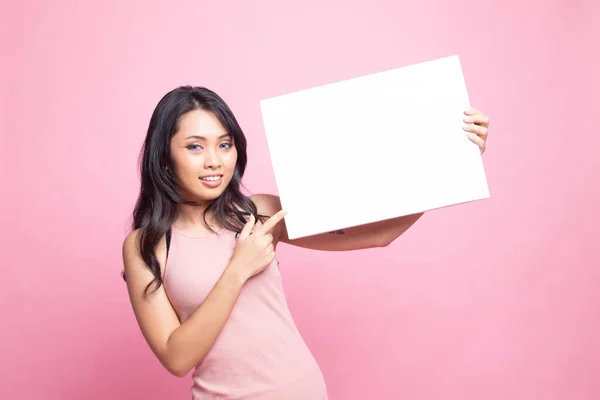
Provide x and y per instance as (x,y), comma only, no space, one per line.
(491,300)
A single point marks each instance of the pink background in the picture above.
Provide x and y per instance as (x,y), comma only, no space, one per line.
(496,299)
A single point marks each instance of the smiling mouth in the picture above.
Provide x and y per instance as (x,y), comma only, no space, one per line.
(214,178)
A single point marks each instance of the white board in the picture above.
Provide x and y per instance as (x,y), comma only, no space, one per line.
(373,148)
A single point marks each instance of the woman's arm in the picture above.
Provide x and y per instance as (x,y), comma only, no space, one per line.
(178,346)
(376,234)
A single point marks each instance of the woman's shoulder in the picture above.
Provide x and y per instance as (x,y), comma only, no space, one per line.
(267,204)
(131,245)
(132,256)
(131,249)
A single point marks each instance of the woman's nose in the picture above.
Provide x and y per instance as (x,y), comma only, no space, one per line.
(212,160)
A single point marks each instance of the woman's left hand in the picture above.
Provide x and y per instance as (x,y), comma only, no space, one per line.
(477,124)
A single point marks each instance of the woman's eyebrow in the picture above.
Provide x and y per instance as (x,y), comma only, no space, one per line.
(203,138)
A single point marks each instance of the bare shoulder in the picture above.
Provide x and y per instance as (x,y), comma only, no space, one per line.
(267,204)
(132,258)
(130,246)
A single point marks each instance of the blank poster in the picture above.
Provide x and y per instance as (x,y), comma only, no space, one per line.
(373,148)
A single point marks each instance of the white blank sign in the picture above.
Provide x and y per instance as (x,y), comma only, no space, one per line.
(372,148)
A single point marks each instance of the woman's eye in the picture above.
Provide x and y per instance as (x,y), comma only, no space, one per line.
(227,145)
(194,147)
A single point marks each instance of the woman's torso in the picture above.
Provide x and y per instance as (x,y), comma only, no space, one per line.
(259,354)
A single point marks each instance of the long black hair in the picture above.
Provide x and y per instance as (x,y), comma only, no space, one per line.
(156,206)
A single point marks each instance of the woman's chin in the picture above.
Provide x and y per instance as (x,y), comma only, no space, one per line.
(209,195)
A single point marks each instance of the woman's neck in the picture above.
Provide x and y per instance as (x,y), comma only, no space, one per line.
(192,217)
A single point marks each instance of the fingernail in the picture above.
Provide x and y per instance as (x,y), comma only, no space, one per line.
(468,119)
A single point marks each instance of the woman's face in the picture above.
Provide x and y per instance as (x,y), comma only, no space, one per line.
(203,156)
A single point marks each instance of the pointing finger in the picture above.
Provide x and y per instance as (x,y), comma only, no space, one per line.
(271,222)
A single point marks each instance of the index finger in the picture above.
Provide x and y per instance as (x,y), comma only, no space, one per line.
(271,222)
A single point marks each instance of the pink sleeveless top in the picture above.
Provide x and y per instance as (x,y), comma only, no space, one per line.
(259,354)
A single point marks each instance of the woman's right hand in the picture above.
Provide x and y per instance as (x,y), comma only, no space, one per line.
(254,251)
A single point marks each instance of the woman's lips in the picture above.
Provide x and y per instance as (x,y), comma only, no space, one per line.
(212,181)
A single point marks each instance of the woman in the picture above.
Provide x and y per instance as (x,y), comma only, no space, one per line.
(200,264)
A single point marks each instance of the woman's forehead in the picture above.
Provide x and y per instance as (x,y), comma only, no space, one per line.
(200,123)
